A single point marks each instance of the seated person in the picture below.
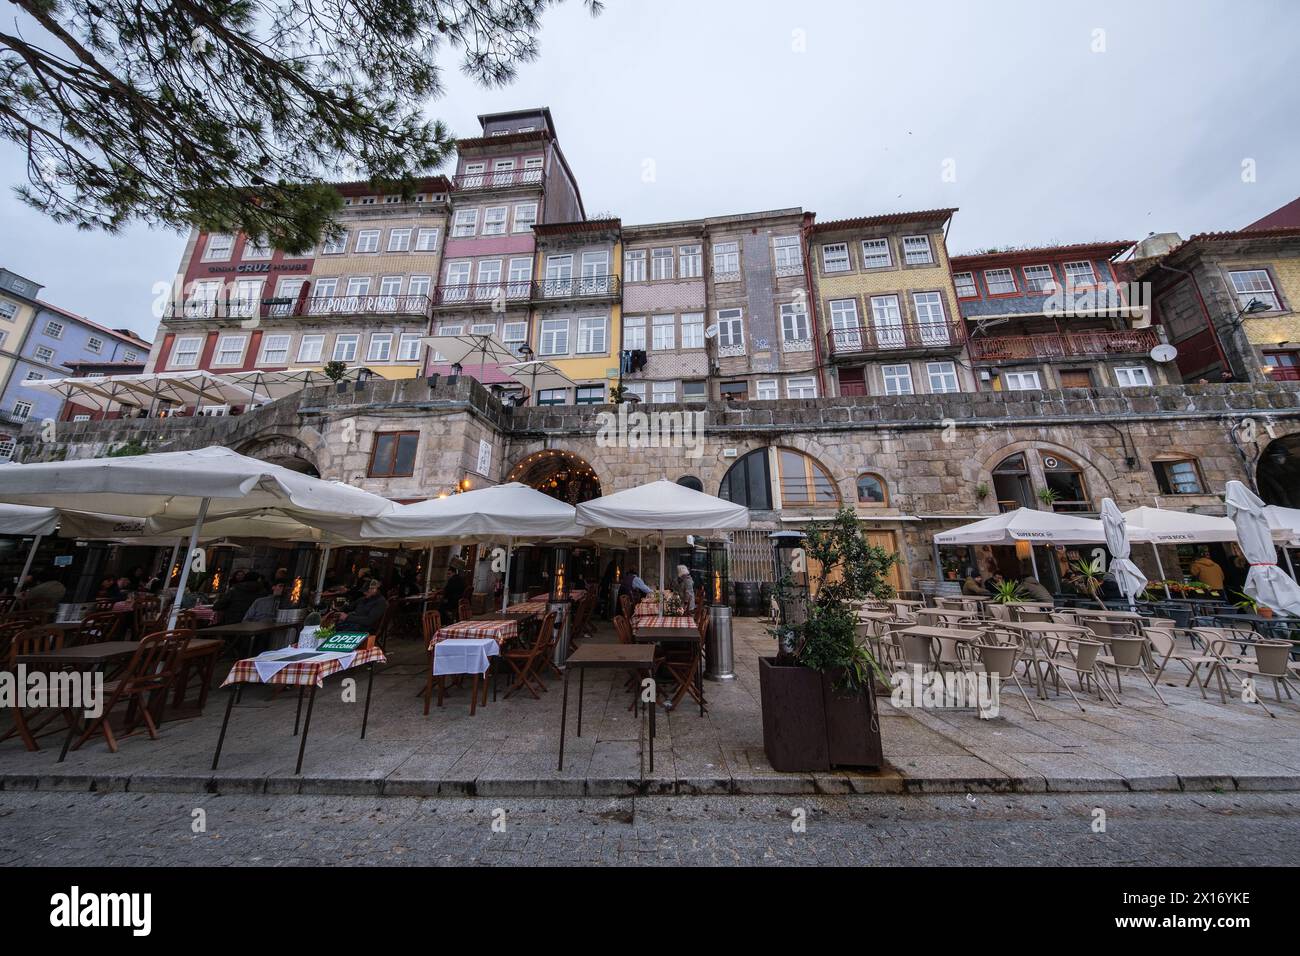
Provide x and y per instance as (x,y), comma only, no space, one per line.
(452,592)
(121,590)
(633,586)
(47,594)
(239,597)
(266,608)
(366,612)
(1034,590)
(973,585)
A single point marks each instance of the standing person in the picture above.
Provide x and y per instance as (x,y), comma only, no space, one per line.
(606,586)
(1206,570)
(452,592)
(685,588)
(633,586)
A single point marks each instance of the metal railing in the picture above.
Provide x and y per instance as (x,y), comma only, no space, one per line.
(1048,345)
(884,336)
(417,304)
(499,178)
(540,290)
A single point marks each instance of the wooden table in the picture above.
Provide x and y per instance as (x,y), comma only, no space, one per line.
(639,657)
(87,657)
(677,634)
(251,630)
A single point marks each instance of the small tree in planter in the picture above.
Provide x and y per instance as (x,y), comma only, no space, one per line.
(818,693)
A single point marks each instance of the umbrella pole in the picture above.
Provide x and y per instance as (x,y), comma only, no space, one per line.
(662,537)
(1155,549)
(1286,553)
(1033,563)
(320,576)
(428,580)
(189,559)
(505,581)
(27,565)
(176,549)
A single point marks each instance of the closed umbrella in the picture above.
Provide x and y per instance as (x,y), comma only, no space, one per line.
(1265,583)
(1131,581)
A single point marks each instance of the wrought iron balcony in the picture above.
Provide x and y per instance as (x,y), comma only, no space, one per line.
(294,308)
(1050,345)
(893,337)
(499,178)
(479,294)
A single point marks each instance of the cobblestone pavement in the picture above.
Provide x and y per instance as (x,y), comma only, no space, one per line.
(1141,829)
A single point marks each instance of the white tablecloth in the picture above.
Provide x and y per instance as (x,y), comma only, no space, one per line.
(271,663)
(463,655)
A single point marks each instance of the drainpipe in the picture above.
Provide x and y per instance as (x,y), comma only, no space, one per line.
(805,235)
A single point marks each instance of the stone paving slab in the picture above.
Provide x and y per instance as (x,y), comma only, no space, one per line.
(509,747)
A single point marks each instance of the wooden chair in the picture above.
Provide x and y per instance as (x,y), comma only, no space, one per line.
(7,603)
(526,662)
(464,610)
(10,629)
(99,627)
(151,672)
(430,624)
(33,640)
(104,604)
(682,662)
(146,610)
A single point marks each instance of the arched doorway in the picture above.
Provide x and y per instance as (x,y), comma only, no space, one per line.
(1278,472)
(284,451)
(560,474)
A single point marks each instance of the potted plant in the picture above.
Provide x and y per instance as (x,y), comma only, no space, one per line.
(1008,592)
(1090,575)
(1048,496)
(981,491)
(818,693)
(1248,605)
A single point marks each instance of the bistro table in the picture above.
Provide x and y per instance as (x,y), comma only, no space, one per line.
(251,630)
(946,615)
(460,656)
(500,629)
(529,607)
(302,669)
(675,630)
(1283,627)
(91,658)
(639,657)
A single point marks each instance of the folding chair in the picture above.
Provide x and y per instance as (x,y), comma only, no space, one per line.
(1165,647)
(33,640)
(1081,658)
(525,662)
(430,624)
(999,661)
(151,671)
(1271,660)
(1126,656)
(683,664)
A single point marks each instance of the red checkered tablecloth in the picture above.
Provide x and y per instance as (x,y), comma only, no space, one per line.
(499,631)
(303,673)
(577,595)
(661,621)
(528,607)
(648,606)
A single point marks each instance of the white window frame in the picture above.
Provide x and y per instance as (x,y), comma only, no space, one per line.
(945,373)
(663,332)
(465,223)
(336,246)
(767,389)
(898,379)
(1267,294)
(690,261)
(795,325)
(408,347)
(44,354)
(634,332)
(183,346)
(703,388)
(1018,382)
(426,240)
(21,411)
(341,344)
(268,342)
(525,216)
(692,330)
(1036,282)
(661,263)
(994,279)
(726,254)
(634,265)
(803,386)
(663,393)
(256,250)
(871,249)
(593,335)
(731,328)
(311,348)
(1126,376)
(1072,268)
(831,257)
(514,333)
(228,345)
(367,241)
(786,252)
(212,252)
(54,329)
(399,240)
(914,256)
(553,337)
(496,219)
(380,347)
(961,287)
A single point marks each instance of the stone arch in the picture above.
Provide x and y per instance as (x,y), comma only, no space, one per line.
(1098,472)
(1277,472)
(277,448)
(559,472)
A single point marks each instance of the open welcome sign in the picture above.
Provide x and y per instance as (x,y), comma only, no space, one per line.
(343,641)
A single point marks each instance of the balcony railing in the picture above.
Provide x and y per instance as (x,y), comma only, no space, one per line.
(884,337)
(540,290)
(499,178)
(299,308)
(1050,345)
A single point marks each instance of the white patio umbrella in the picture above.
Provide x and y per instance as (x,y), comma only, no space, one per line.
(1131,581)
(512,511)
(1026,524)
(1157,526)
(1265,583)
(538,376)
(185,487)
(22,520)
(87,392)
(662,506)
(460,349)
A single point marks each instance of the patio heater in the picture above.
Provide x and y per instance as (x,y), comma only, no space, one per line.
(791,584)
(559,600)
(719,658)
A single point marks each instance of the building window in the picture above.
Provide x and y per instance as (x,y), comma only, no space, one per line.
(1000,281)
(1255,284)
(494,220)
(930,318)
(875,254)
(22,410)
(802,387)
(256,250)
(943,377)
(898,379)
(81,418)
(345,348)
(358,286)
(368,240)
(872,490)
(661,263)
(525,216)
(887,319)
(690,260)
(95,344)
(965,283)
(766,390)
(726,259)
(634,390)
(408,347)
(590,395)
(786,254)
(7,448)
(310,348)
(835,257)
(804,482)
(514,334)
(1177,476)
(1020,381)
(426,240)
(335,245)
(218,248)
(230,350)
(44,354)
(663,393)
(555,337)
(393,455)
(1132,375)
(731,329)
(381,347)
(552,396)
(399,240)
(694,392)
(591,336)
(1039,279)
(664,332)
(489,275)
(634,265)
(275,350)
(1079,274)
(465,223)
(693,330)
(559,275)
(748,482)
(186,351)
(54,330)
(634,332)
(482,328)
(34,377)
(1065,481)
(794,324)
(8,310)
(1282,366)
(916,250)
(1075,377)
(126,357)
(368,200)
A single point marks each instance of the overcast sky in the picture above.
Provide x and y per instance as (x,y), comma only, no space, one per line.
(675,109)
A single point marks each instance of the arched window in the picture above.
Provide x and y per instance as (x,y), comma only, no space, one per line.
(804,483)
(1065,482)
(872,490)
(690,481)
(1011,483)
(748,482)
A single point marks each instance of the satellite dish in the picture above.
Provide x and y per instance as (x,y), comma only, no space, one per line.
(711,331)
(1164,352)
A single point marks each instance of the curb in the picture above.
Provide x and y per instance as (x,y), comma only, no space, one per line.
(575,788)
